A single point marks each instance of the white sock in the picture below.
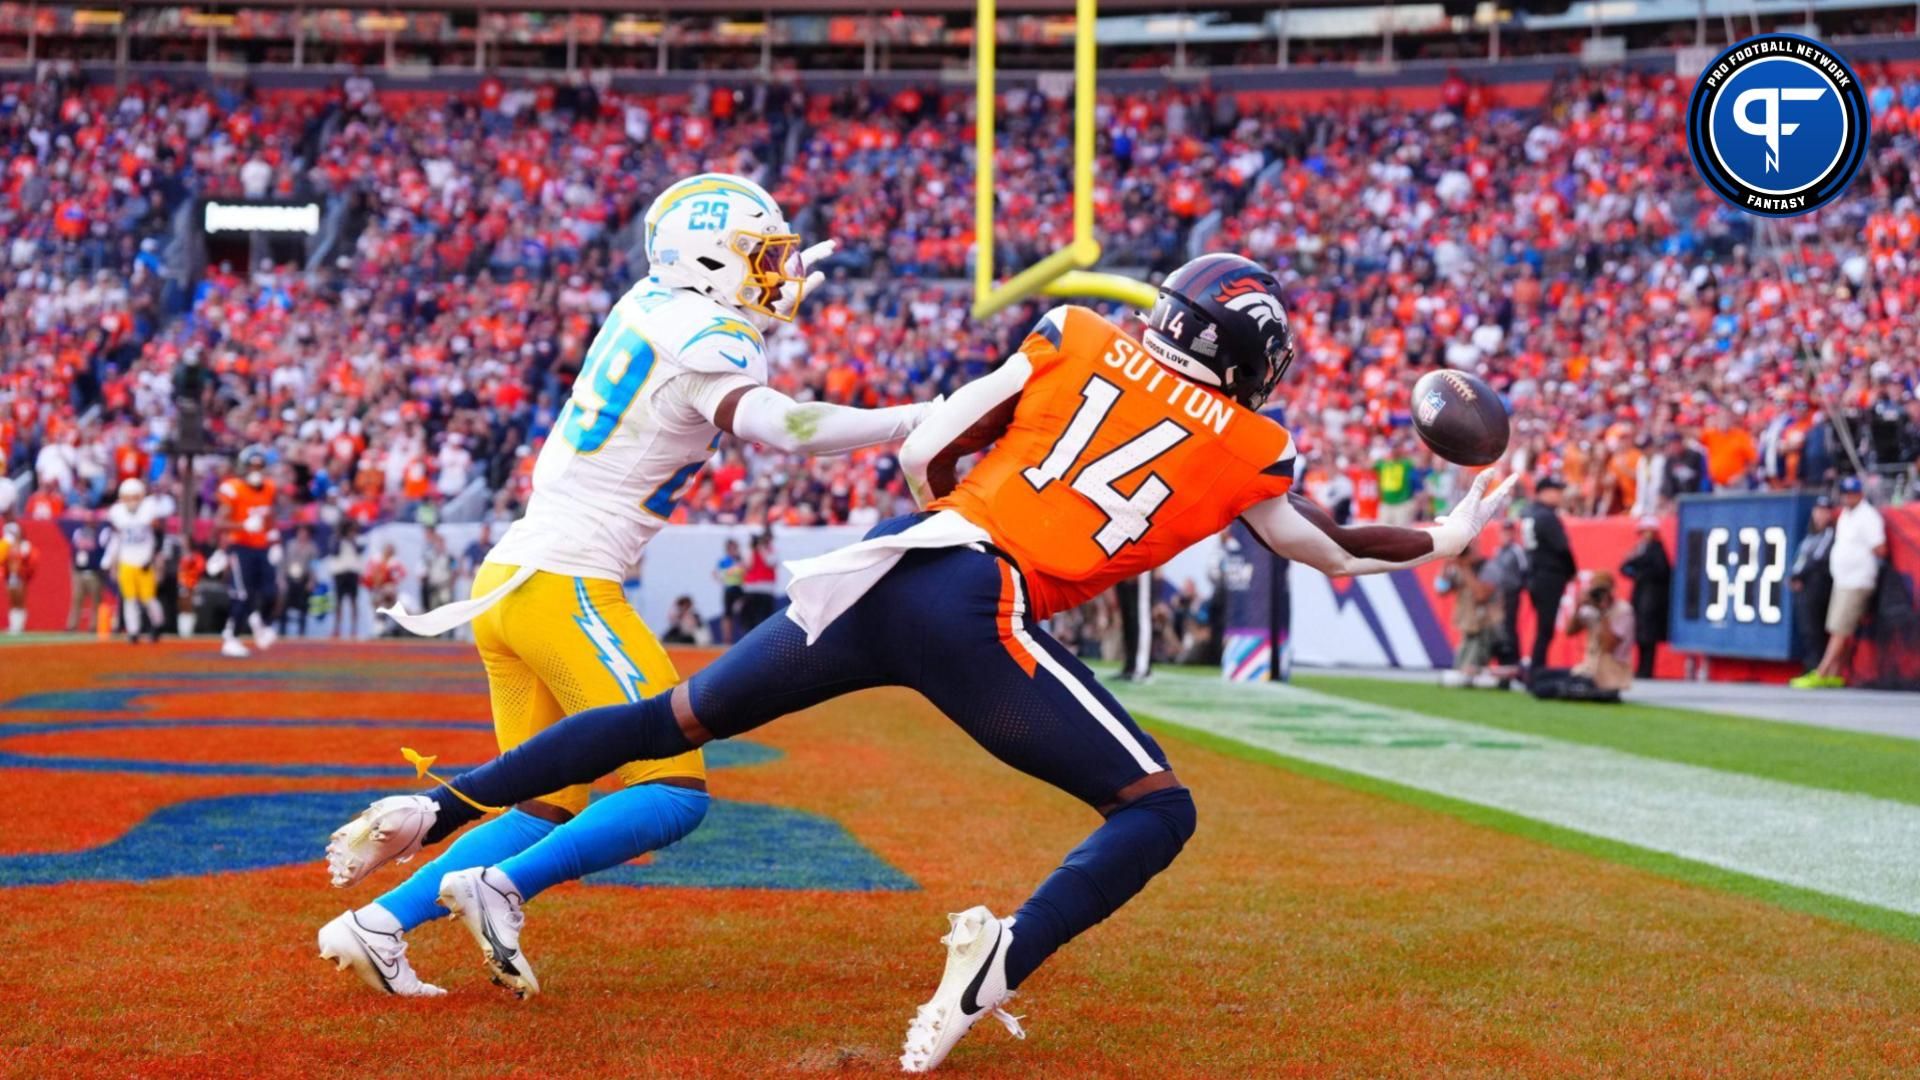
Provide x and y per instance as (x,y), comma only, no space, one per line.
(378,919)
(17,621)
(185,623)
(501,880)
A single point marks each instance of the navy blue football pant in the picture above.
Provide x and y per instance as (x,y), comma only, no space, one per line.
(253,587)
(950,623)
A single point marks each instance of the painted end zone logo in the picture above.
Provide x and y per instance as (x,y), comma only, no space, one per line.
(1777,125)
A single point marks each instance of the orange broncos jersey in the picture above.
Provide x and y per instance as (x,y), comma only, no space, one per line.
(1113,464)
(250,509)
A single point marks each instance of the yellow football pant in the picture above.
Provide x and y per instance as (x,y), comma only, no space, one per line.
(137,583)
(559,645)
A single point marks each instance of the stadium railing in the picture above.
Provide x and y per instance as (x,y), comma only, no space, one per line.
(1331,80)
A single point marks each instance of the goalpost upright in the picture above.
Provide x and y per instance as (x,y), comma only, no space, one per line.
(1067,272)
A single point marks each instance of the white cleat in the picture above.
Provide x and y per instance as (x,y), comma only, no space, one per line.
(975,985)
(488,904)
(377,956)
(390,829)
(264,637)
(231,647)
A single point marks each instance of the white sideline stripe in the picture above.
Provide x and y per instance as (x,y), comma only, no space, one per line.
(1075,686)
(1857,847)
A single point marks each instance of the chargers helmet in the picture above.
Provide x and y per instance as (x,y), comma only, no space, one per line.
(1219,321)
(724,236)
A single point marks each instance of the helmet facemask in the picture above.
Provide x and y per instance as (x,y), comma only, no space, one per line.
(771,259)
(1279,359)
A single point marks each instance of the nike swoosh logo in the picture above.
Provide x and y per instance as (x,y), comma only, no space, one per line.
(501,954)
(386,976)
(970,1000)
(734,360)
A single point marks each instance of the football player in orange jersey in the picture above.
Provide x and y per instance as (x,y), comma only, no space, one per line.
(19,561)
(245,523)
(1110,454)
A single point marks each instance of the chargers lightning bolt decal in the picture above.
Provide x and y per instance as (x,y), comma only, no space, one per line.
(729,328)
(612,656)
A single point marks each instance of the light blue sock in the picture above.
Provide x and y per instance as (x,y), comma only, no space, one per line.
(612,829)
(417,899)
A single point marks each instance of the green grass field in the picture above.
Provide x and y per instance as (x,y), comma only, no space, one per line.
(1789,763)
(1876,765)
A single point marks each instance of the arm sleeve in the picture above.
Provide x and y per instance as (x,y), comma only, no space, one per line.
(771,418)
(956,426)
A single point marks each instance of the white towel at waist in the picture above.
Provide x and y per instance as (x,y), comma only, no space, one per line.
(825,586)
(460,612)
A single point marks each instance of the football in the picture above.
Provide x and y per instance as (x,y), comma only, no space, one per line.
(1460,417)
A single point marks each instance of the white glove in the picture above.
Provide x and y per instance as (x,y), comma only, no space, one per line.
(1453,532)
(792,292)
(274,555)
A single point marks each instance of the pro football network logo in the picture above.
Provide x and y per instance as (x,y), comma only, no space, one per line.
(1778,125)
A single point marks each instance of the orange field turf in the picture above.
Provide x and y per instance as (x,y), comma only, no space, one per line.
(1309,930)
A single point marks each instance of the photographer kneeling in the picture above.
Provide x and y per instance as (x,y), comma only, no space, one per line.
(1608,667)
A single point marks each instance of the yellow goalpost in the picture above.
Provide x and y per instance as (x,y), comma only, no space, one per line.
(1067,272)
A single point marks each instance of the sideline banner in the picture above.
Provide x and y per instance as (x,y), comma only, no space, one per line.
(1888,656)
(1258,610)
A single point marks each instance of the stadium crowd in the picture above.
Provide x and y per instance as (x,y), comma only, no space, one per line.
(1651,340)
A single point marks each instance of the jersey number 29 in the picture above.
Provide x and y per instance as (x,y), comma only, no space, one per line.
(1128,516)
(615,369)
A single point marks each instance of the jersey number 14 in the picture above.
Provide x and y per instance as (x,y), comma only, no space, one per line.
(1128,516)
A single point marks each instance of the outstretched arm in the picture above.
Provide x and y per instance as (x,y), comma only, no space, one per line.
(740,406)
(764,415)
(1295,528)
(968,422)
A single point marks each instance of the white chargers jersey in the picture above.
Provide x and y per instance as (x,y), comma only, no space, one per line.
(634,433)
(134,530)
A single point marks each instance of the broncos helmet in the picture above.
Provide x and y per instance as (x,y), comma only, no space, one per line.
(1219,321)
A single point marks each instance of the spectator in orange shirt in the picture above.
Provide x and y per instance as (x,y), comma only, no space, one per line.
(129,463)
(1620,483)
(44,505)
(1731,452)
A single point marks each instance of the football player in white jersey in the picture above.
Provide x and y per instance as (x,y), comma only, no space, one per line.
(134,521)
(680,360)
